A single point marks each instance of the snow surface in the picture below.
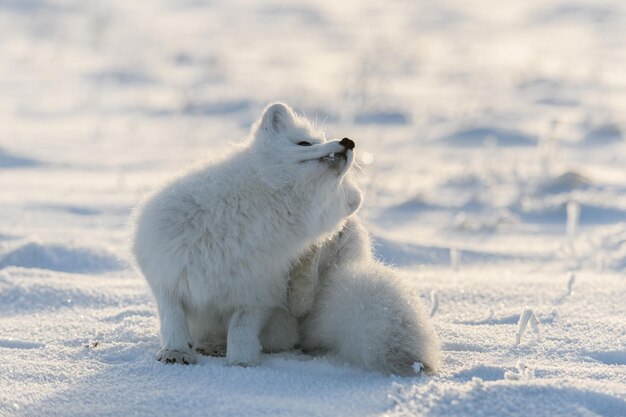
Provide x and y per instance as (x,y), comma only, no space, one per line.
(477,125)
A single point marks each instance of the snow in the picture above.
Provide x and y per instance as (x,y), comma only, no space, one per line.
(490,139)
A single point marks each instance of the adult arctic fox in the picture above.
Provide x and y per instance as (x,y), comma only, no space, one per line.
(216,244)
(362,311)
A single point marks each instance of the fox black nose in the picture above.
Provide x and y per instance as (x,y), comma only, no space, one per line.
(347,143)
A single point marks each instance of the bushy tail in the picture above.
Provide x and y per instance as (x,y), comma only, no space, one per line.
(370,318)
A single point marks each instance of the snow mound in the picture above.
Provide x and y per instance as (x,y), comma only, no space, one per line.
(605,134)
(477,137)
(8,160)
(555,211)
(481,398)
(60,258)
(77,210)
(406,254)
(381,118)
(566,182)
(123,77)
(182,390)
(217,108)
(614,357)
(20,344)
(488,221)
(30,295)
(408,209)
(6,237)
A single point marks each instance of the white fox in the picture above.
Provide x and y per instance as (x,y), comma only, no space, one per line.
(362,310)
(216,245)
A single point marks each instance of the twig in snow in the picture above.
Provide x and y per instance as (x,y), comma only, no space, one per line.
(527,316)
(573,217)
(523,372)
(570,282)
(571,279)
(434,302)
(455,259)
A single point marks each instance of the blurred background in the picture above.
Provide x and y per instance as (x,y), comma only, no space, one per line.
(476,123)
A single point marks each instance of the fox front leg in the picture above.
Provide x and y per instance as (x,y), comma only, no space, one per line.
(303,280)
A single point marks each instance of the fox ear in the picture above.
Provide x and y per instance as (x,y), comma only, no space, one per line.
(277,117)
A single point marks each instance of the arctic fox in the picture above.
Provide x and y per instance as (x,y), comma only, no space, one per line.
(216,244)
(362,312)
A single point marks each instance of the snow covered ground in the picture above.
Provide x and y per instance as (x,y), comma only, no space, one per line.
(479,126)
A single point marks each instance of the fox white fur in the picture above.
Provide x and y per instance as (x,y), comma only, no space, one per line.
(363,311)
(216,244)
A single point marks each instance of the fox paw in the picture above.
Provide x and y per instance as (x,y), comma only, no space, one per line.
(217,349)
(167,355)
(243,354)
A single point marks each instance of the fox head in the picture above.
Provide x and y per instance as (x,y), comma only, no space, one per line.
(287,150)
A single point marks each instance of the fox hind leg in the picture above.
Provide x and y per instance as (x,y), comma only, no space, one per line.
(243,346)
(175,338)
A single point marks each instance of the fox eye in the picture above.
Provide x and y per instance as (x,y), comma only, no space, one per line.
(304,143)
